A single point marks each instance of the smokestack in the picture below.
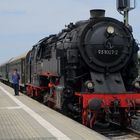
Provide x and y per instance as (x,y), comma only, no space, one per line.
(97,13)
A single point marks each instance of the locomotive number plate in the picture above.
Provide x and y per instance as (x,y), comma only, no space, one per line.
(108,52)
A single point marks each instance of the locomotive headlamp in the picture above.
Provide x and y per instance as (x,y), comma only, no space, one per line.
(137,85)
(90,85)
(110,29)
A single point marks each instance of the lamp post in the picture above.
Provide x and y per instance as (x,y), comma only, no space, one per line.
(123,7)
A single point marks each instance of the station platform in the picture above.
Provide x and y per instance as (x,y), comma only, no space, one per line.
(22,118)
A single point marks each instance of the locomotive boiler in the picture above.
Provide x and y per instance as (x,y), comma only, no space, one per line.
(87,70)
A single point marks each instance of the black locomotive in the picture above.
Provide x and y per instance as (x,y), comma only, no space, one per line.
(87,70)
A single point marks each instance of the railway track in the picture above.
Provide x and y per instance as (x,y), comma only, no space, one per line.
(115,132)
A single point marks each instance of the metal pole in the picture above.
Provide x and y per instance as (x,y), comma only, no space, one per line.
(126,17)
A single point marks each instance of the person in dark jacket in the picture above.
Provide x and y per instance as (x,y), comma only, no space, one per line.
(15,80)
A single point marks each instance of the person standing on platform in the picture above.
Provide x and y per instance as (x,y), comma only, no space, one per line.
(15,79)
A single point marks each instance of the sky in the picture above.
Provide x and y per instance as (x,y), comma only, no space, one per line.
(24,22)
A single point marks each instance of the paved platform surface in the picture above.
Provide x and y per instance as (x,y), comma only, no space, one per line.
(22,118)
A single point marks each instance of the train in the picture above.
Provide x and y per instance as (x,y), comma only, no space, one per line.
(87,71)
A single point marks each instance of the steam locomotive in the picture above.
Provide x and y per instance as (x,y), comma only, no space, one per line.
(86,71)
